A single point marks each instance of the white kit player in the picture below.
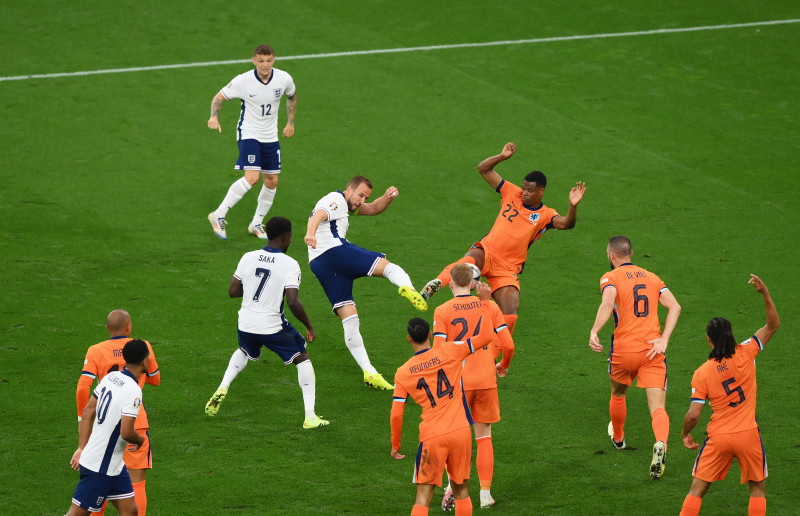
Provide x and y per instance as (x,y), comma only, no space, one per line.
(107,423)
(262,279)
(337,263)
(260,91)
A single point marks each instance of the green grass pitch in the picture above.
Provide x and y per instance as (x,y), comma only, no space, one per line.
(688,142)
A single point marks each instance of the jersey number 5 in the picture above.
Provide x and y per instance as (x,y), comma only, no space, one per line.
(443,387)
(727,386)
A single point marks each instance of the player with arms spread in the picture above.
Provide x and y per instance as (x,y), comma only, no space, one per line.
(638,345)
(455,320)
(728,382)
(104,358)
(337,263)
(260,91)
(107,423)
(522,220)
(262,279)
(432,377)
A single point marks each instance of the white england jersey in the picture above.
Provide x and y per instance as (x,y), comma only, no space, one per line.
(264,275)
(261,102)
(332,232)
(118,394)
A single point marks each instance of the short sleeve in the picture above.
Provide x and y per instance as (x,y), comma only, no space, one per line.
(699,388)
(234,89)
(239,272)
(289,88)
(132,401)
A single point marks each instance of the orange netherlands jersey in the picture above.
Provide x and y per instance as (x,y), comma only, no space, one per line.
(517,226)
(106,357)
(433,379)
(460,318)
(730,388)
(635,307)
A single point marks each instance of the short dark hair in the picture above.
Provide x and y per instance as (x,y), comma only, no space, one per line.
(537,177)
(419,330)
(263,50)
(135,351)
(276,227)
(721,334)
(620,245)
(357,180)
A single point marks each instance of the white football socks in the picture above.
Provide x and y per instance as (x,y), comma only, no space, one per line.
(237,363)
(265,198)
(397,275)
(234,195)
(355,343)
(307,381)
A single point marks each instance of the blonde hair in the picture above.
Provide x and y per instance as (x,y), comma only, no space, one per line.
(461,275)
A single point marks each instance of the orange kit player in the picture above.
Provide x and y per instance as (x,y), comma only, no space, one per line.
(728,381)
(432,377)
(522,220)
(632,294)
(100,360)
(454,321)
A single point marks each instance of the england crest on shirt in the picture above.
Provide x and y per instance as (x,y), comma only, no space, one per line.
(533,218)
(278,92)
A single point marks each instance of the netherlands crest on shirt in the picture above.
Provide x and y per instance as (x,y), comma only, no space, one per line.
(533,218)
(278,92)
(251,158)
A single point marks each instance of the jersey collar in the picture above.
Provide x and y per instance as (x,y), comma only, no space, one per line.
(532,208)
(272,250)
(271,75)
(118,337)
(421,352)
(127,373)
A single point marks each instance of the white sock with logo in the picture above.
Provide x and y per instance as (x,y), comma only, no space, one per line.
(234,195)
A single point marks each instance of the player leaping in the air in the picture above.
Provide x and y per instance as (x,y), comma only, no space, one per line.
(522,220)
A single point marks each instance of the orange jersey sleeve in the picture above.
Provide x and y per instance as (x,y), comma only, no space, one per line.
(635,307)
(517,226)
(730,388)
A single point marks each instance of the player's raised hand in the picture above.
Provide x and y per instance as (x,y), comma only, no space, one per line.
(688,441)
(396,454)
(576,194)
(213,123)
(594,343)
(288,131)
(75,461)
(391,193)
(483,291)
(508,150)
(757,283)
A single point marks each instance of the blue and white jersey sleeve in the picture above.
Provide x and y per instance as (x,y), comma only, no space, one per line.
(332,232)
(118,394)
(265,274)
(261,102)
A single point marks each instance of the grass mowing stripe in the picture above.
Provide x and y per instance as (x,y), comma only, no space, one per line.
(406,49)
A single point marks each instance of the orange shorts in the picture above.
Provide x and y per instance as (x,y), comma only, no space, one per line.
(452,450)
(624,367)
(141,458)
(717,453)
(498,272)
(483,405)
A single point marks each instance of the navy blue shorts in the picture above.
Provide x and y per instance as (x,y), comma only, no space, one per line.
(95,488)
(256,155)
(338,267)
(287,343)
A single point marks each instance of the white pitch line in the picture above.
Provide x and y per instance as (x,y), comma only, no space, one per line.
(406,49)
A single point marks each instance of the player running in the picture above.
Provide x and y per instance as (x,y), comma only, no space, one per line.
(432,377)
(522,220)
(262,279)
(728,382)
(638,345)
(455,320)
